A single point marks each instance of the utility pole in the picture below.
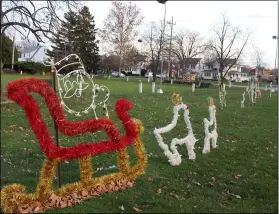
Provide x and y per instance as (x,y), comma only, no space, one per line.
(160,90)
(13,54)
(169,72)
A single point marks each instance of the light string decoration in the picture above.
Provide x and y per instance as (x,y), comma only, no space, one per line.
(173,155)
(242,101)
(13,197)
(258,91)
(213,135)
(69,87)
(222,92)
(251,91)
(271,89)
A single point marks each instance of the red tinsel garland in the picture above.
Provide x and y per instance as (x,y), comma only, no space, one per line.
(18,92)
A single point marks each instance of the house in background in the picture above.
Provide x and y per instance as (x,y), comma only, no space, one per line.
(264,74)
(135,65)
(237,73)
(191,65)
(209,70)
(158,72)
(33,54)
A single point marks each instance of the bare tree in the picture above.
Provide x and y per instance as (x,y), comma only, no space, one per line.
(109,63)
(257,57)
(153,38)
(225,45)
(26,44)
(187,45)
(129,54)
(28,17)
(39,19)
(120,27)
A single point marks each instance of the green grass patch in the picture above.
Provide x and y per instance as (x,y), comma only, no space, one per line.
(247,147)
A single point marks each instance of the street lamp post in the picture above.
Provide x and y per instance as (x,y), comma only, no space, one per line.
(140,41)
(160,90)
(275,38)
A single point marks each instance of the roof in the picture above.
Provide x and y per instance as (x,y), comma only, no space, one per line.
(191,61)
(226,62)
(31,49)
(140,58)
(245,70)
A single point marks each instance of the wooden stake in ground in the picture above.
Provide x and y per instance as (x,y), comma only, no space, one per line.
(58,172)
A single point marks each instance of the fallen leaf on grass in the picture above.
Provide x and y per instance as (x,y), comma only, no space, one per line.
(137,210)
(149,179)
(187,179)
(197,183)
(237,177)
(237,196)
(122,207)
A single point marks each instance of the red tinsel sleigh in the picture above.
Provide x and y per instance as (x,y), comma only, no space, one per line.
(18,92)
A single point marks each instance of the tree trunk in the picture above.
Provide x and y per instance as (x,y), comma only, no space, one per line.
(154,72)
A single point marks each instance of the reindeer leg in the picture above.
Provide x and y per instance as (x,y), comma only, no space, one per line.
(206,147)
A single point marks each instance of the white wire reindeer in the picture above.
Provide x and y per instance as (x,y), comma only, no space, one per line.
(213,135)
(69,88)
(172,153)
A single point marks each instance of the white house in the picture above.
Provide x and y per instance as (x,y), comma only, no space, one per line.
(237,73)
(209,70)
(138,63)
(33,54)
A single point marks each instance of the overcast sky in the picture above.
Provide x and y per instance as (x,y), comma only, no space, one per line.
(260,17)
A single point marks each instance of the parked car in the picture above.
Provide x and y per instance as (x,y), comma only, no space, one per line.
(114,74)
(148,74)
(159,76)
(8,70)
(122,75)
(117,74)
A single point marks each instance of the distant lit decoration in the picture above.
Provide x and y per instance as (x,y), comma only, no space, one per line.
(210,135)
(69,87)
(242,104)
(271,89)
(222,92)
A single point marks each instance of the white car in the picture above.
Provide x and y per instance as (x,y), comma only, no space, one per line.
(159,75)
(122,75)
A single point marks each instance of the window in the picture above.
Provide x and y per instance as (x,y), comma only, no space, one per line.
(207,74)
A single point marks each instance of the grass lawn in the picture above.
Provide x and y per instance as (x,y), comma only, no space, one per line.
(245,164)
